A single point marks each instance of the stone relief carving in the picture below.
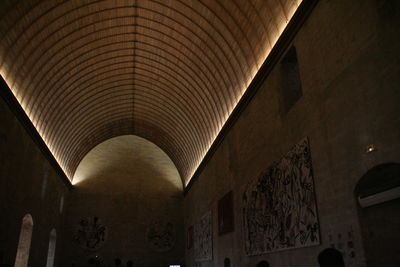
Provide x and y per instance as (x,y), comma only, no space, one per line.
(203,238)
(161,236)
(90,233)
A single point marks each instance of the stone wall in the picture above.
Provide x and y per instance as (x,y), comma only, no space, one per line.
(129,184)
(28,185)
(349,67)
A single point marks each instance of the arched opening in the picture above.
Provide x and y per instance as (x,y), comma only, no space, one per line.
(24,243)
(138,177)
(52,248)
(378,192)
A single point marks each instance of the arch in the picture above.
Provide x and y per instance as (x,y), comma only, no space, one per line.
(128,152)
(378,195)
(206,51)
(379,184)
(24,244)
(52,248)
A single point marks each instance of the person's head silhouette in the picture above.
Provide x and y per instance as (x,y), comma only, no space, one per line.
(263,264)
(330,257)
(118,262)
(227,262)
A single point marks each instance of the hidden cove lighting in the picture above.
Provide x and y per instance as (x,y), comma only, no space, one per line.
(248,77)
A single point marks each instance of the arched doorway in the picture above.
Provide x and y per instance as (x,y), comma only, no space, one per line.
(52,248)
(377,193)
(24,243)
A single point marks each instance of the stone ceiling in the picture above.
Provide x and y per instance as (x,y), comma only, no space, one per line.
(134,157)
(170,71)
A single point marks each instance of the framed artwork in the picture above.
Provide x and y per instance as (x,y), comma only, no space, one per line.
(225,214)
(279,206)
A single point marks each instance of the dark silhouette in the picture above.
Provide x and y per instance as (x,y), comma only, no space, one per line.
(94,262)
(263,264)
(330,257)
(227,262)
(2,261)
(129,264)
(118,262)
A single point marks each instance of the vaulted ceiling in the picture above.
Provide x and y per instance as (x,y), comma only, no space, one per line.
(170,71)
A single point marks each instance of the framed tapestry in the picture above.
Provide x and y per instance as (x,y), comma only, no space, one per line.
(203,238)
(225,214)
(279,206)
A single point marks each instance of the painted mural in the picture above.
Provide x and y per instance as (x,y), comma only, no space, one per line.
(279,207)
(203,238)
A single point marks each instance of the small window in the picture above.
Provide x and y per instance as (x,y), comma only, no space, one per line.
(44,186)
(52,248)
(61,204)
(291,90)
(24,243)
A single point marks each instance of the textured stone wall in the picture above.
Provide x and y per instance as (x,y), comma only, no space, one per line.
(129,184)
(28,184)
(349,67)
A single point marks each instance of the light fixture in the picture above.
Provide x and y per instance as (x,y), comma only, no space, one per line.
(370,148)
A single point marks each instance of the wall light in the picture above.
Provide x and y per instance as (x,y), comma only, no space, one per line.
(370,148)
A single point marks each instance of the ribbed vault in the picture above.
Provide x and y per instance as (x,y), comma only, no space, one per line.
(170,71)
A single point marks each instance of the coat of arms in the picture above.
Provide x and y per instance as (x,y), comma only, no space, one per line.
(90,233)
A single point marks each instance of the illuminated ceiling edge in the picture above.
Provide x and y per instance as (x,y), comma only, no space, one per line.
(12,102)
(298,17)
(244,90)
(282,43)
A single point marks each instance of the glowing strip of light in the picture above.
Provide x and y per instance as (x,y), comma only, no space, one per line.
(14,90)
(254,72)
